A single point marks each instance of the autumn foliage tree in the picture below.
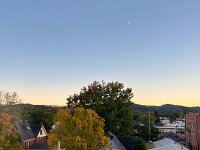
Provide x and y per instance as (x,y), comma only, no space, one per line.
(79,129)
(111,101)
(9,137)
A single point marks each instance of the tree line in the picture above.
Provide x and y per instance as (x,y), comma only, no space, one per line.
(98,107)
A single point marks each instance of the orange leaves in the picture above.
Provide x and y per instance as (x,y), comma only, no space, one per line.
(8,135)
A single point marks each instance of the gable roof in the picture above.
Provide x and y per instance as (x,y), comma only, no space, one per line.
(163,142)
(168,144)
(24,130)
(28,132)
(36,128)
(128,142)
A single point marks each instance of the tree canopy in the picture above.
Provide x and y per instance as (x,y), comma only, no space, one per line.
(78,129)
(8,135)
(143,130)
(111,101)
(139,144)
(34,114)
(39,115)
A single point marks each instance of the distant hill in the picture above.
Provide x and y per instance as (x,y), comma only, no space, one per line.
(165,109)
(28,107)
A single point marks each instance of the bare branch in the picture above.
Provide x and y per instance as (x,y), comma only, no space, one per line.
(9,98)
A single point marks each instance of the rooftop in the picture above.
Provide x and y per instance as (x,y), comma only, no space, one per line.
(168,144)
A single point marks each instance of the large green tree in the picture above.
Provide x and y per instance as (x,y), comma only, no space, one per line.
(78,129)
(111,101)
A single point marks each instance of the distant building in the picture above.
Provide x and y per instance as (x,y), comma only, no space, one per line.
(168,129)
(175,127)
(192,134)
(164,120)
(32,136)
(180,123)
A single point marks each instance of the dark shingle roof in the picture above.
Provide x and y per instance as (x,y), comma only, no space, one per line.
(24,130)
(36,128)
(128,142)
(27,131)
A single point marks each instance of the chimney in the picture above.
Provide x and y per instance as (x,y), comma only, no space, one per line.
(59,145)
(25,124)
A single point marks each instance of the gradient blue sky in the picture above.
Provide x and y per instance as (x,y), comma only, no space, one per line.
(50,49)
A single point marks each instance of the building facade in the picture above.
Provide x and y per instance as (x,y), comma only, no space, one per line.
(192,134)
(31,135)
(168,129)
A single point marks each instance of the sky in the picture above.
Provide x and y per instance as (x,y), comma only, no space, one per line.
(50,49)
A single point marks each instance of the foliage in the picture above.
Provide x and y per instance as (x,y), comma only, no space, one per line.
(37,116)
(165,110)
(154,134)
(143,132)
(139,144)
(172,117)
(157,118)
(8,134)
(79,129)
(156,113)
(111,101)
(144,118)
(34,114)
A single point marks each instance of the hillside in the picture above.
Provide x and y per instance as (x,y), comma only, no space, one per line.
(165,109)
(29,107)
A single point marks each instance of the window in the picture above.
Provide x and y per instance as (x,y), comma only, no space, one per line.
(40,132)
(28,144)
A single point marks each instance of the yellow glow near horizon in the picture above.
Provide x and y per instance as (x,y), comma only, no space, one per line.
(145,93)
(148,99)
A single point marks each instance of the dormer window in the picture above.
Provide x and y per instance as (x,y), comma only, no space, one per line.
(40,132)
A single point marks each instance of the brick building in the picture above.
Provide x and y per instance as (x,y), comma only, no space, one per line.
(32,136)
(192,134)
